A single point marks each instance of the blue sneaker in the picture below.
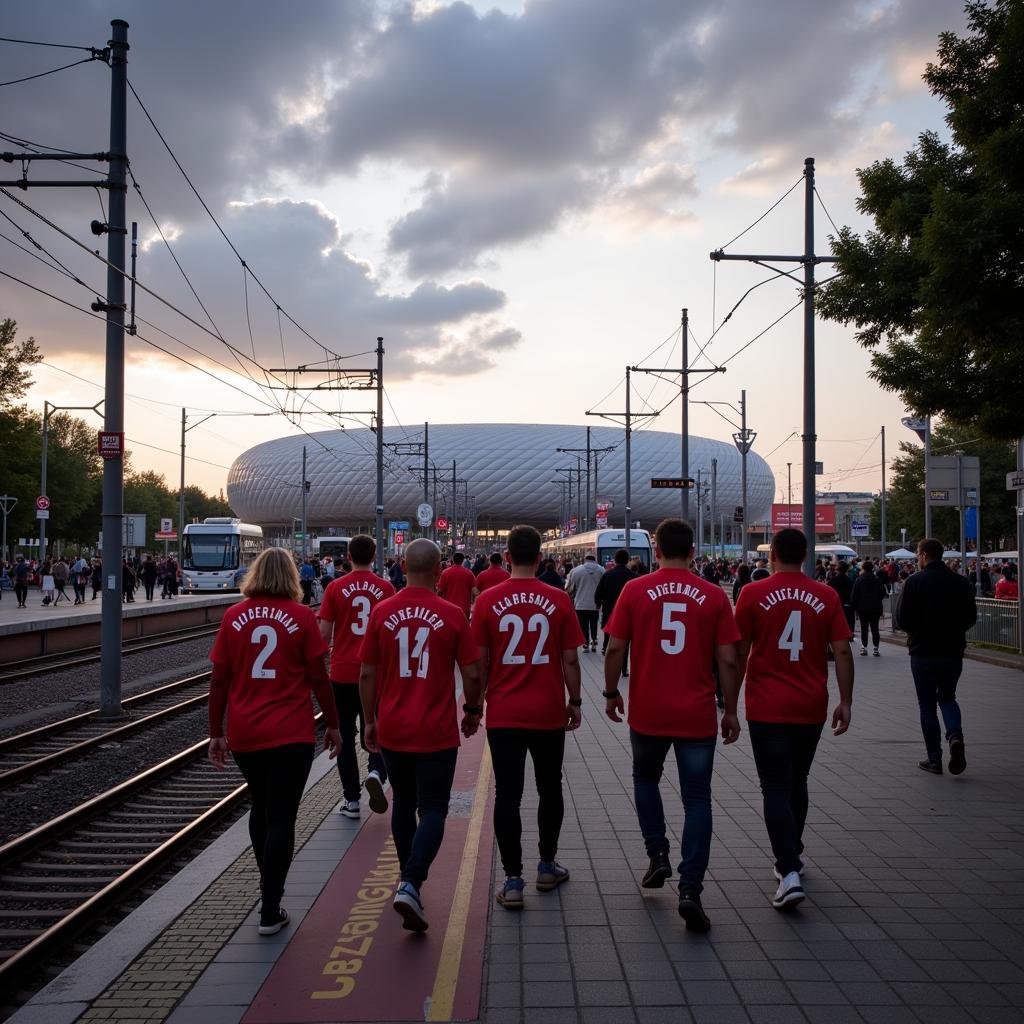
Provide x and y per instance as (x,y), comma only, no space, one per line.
(510,896)
(409,905)
(550,875)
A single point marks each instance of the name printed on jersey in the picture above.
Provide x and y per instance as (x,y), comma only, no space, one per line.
(263,612)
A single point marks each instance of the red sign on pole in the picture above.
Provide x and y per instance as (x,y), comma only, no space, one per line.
(399,537)
(42,503)
(111,444)
(792,515)
(442,523)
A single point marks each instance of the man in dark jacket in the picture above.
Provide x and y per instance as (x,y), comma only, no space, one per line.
(936,609)
(609,586)
(866,597)
(550,575)
(843,585)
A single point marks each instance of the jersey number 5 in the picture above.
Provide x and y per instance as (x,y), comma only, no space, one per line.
(259,666)
(790,638)
(676,640)
(420,652)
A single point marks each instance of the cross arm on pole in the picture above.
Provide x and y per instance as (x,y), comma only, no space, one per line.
(718,255)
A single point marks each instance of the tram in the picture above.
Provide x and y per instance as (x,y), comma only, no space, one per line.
(217,553)
(329,547)
(602,544)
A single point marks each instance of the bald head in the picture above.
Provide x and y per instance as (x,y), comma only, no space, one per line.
(422,560)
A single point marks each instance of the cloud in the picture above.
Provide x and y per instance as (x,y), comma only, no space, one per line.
(651,200)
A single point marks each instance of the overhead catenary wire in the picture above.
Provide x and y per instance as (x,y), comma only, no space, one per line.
(52,71)
(42,42)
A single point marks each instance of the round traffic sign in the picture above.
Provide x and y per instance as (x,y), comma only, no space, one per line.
(442,522)
(42,502)
(424,514)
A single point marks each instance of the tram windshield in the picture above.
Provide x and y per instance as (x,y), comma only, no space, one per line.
(208,552)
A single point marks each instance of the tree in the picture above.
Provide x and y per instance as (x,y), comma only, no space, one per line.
(935,289)
(16,358)
(905,496)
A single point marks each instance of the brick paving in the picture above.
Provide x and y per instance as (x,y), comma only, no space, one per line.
(915,882)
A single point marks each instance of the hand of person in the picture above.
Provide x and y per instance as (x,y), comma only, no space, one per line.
(615,708)
(730,728)
(370,737)
(574,716)
(470,725)
(841,719)
(332,742)
(217,754)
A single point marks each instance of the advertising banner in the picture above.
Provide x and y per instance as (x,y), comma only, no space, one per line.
(792,515)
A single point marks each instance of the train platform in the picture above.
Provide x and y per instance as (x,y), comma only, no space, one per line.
(39,630)
(915,908)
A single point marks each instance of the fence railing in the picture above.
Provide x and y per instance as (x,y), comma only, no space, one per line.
(998,623)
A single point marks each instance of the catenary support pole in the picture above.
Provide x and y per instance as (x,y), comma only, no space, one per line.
(305,508)
(961,508)
(426,475)
(884,501)
(927,460)
(1020,541)
(809,437)
(629,430)
(379,509)
(181,492)
(42,478)
(113,408)
(743,469)
(590,505)
(714,506)
(684,394)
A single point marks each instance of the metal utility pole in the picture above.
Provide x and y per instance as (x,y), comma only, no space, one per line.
(744,441)
(700,518)
(181,482)
(583,514)
(961,510)
(714,505)
(305,508)
(789,490)
(455,498)
(883,502)
(927,498)
(684,372)
(1020,535)
(380,457)
(809,261)
(7,503)
(426,472)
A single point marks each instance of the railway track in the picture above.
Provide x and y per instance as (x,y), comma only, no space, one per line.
(28,753)
(62,877)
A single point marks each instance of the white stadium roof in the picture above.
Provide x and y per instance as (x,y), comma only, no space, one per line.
(510,469)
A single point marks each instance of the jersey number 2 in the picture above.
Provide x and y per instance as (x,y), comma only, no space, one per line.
(790,638)
(259,666)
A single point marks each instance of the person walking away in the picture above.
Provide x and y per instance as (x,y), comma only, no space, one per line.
(79,577)
(936,609)
(550,575)
(396,575)
(127,582)
(344,615)
(97,577)
(267,656)
(742,579)
(21,574)
(306,576)
(149,576)
(843,586)
(407,684)
(678,624)
(61,575)
(761,570)
(609,587)
(866,597)
(494,574)
(456,583)
(528,634)
(787,625)
(1006,588)
(581,586)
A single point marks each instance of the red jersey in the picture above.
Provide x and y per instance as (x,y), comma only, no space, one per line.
(491,576)
(456,585)
(415,639)
(674,620)
(266,642)
(789,620)
(526,624)
(347,602)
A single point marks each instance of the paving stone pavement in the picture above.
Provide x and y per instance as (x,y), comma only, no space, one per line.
(915,882)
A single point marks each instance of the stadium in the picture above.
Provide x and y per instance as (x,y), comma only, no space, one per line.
(509,472)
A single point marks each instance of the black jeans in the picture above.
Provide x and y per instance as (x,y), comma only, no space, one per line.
(783,753)
(509,748)
(307,591)
(350,711)
(150,586)
(276,777)
(420,784)
(695,761)
(21,592)
(588,623)
(935,681)
(869,620)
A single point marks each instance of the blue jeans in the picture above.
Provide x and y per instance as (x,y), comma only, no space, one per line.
(420,784)
(935,680)
(695,759)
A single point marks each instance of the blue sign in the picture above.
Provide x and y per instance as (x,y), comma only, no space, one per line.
(399,524)
(971,523)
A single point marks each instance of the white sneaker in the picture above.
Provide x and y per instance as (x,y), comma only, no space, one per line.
(863,651)
(877,655)
(789,893)
(375,790)
(350,809)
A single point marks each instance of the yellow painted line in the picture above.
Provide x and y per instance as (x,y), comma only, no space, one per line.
(442,999)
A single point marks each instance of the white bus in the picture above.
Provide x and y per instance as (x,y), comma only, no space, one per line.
(602,544)
(826,552)
(217,553)
(329,547)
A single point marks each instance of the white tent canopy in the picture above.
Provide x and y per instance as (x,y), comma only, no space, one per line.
(900,553)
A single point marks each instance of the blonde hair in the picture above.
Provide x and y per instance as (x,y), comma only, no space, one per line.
(273,574)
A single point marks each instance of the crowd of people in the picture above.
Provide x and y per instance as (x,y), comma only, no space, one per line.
(511,629)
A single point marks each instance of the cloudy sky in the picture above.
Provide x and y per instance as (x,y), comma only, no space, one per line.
(519,196)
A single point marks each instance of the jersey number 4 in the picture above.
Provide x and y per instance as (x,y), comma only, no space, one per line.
(790,638)
(538,624)
(418,651)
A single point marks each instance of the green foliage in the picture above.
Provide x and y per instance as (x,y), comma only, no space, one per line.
(935,289)
(16,358)
(906,492)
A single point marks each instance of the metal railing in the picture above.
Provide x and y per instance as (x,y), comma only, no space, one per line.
(998,623)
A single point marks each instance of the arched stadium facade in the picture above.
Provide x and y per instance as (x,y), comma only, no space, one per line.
(511,473)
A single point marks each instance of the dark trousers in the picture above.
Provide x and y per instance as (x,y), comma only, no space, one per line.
(61,594)
(695,760)
(21,592)
(307,591)
(276,777)
(935,680)
(350,712)
(869,620)
(588,623)
(150,586)
(783,753)
(509,748)
(421,784)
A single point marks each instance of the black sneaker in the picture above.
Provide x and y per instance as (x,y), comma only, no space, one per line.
(957,756)
(935,767)
(691,911)
(658,872)
(271,923)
